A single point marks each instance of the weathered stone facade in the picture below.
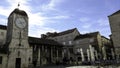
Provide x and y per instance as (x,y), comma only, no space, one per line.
(81,45)
(18,50)
(45,51)
(2,35)
(114,20)
(3,60)
(66,38)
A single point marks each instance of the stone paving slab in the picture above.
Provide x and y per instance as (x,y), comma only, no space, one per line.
(94,67)
(78,67)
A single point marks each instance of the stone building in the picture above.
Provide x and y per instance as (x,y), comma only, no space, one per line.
(66,38)
(114,20)
(2,34)
(45,51)
(18,50)
(108,47)
(78,45)
(83,43)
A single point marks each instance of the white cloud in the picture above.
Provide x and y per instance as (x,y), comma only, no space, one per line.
(51,5)
(3,21)
(86,26)
(34,18)
(5,11)
(61,17)
(103,22)
(36,32)
(84,19)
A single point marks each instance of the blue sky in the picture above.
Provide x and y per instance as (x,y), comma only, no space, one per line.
(59,15)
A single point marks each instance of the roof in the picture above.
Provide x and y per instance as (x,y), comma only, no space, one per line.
(17,11)
(87,35)
(67,31)
(117,12)
(3,27)
(34,40)
(62,33)
(105,37)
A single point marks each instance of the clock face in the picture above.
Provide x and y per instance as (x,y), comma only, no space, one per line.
(21,23)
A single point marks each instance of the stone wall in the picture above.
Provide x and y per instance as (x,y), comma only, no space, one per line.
(4,61)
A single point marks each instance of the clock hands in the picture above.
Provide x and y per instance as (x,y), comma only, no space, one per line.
(20,22)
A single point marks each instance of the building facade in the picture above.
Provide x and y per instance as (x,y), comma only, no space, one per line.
(114,20)
(82,47)
(18,50)
(66,38)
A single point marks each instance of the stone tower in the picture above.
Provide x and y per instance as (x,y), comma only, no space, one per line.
(114,21)
(19,51)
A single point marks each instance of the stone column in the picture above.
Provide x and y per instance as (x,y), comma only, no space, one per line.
(113,54)
(92,53)
(42,47)
(96,54)
(51,55)
(88,54)
(104,53)
(42,54)
(82,55)
(68,52)
(57,54)
(38,61)
(62,53)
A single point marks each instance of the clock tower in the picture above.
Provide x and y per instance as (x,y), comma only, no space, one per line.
(19,51)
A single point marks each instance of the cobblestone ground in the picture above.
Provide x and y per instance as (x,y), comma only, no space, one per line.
(60,66)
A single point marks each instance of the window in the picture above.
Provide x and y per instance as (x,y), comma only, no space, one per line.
(29,59)
(66,37)
(77,42)
(70,42)
(63,43)
(55,39)
(91,40)
(65,51)
(2,33)
(0,59)
(78,49)
(18,53)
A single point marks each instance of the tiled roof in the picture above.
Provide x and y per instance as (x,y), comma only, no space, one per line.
(62,33)
(33,40)
(88,35)
(105,37)
(117,12)
(67,31)
(40,41)
(3,27)
(17,11)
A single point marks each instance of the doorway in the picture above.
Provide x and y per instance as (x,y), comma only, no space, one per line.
(18,63)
